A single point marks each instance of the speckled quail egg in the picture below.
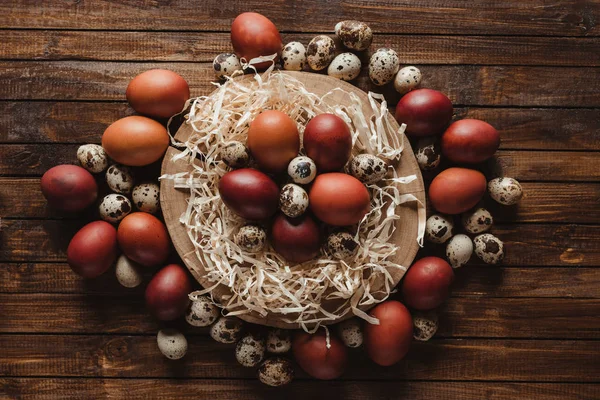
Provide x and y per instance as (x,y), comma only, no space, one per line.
(119,178)
(146,197)
(235,154)
(293,56)
(251,238)
(428,153)
(250,351)
(341,245)
(345,66)
(128,272)
(350,332)
(114,207)
(278,341)
(320,52)
(367,168)
(477,221)
(425,325)
(407,79)
(202,312)
(302,170)
(489,248)
(92,157)
(293,200)
(383,66)
(226,64)
(227,330)
(354,35)
(276,372)
(459,250)
(438,228)
(507,191)
(172,343)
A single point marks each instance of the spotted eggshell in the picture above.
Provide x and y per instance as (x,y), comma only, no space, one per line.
(341,245)
(293,200)
(302,170)
(428,153)
(92,157)
(293,56)
(425,325)
(368,168)
(250,351)
(251,238)
(477,221)
(172,343)
(276,372)
(146,197)
(438,228)
(235,154)
(119,178)
(489,248)
(507,191)
(320,52)
(227,330)
(459,250)
(407,79)
(114,207)
(354,35)
(383,66)
(345,66)
(350,332)
(278,341)
(226,64)
(202,312)
(128,272)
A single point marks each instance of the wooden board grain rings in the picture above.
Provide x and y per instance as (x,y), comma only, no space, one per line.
(174,202)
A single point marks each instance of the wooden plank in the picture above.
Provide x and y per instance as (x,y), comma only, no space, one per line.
(465,85)
(187,46)
(513,17)
(444,359)
(218,389)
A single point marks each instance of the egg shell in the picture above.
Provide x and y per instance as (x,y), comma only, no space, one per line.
(489,248)
(202,312)
(407,79)
(146,197)
(318,360)
(171,343)
(328,142)
(341,245)
(439,228)
(114,207)
(425,112)
(368,168)
(235,155)
(293,56)
(345,66)
(320,52)
(350,332)
(167,293)
(427,283)
(120,178)
(456,190)
(69,188)
(93,249)
(158,93)
(273,140)
(128,272)
(470,141)
(254,35)
(92,157)
(227,330)
(251,238)
(250,351)
(135,141)
(459,250)
(144,239)
(383,66)
(276,372)
(249,193)
(278,341)
(296,239)
(354,35)
(302,170)
(293,200)
(506,191)
(339,199)
(477,221)
(388,342)
(425,325)
(225,64)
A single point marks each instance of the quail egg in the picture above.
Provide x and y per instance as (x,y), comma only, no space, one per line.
(128,272)
(345,66)
(438,228)
(320,52)
(202,312)
(341,245)
(368,168)
(92,157)
(428,153)
(459,250)
(235,154)
(226,64)
(425,325)
(293,200)
(119,178)
(114,207)
(293,56)
(276,372)
(250,350)
(489,248)
(507,191)
(278,341)
(302,170)
(354,35)
(350,332)
(172,343)
(383,66)
(407,79)
(227,330)
(146,197)
(477,221)
(251,238)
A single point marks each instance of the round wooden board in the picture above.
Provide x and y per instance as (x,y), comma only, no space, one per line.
(174,202)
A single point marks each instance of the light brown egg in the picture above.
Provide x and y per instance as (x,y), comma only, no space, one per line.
(158,93)
(339,199)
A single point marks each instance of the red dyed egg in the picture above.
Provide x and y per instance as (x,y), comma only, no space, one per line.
(249,193)
(69,188)
(313,356)
(470,141)
(456,190)
(254,35)
(388,342)
(425,112)
(167,293)
(144,239)
(327,140)
(296,239)
(93,249)
(339,199)
(426,285)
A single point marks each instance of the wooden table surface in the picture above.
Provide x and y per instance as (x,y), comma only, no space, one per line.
(528,329)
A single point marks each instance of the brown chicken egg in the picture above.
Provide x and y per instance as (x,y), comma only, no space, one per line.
(158,93)
(69,188)
(318,359)
(470,141)
(254,35)
(167,293)
(425,112)
(93,249)
(456,190)
(249,193)
(426,285)
(296,239)
(327,140)
(339,199)
(388,342)
(144,239)
(135,141)
(273,140)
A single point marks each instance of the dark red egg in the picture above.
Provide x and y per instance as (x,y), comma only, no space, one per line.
(167,293)
(313,356)
(327,140)
(470,141)
(249,193)
(425,112)
(69,188)
(388,342)
(296,239)
(426,285)
(93,249)
(254,35)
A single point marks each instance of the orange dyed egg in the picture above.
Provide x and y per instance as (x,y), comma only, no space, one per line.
(158,93)
(339,199)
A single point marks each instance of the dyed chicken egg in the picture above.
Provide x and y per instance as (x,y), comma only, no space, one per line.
(254,35)
(302,170)
(293,200)
(354,35)
(407,79)
(339,199)
(459,250)
(251,238)
(320,52)
(456,190)
(92,157)
(345,66)
(158,93)
(293,56)
(368,168)
(438,228)
(226,64)
(383,66)
(114,207)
